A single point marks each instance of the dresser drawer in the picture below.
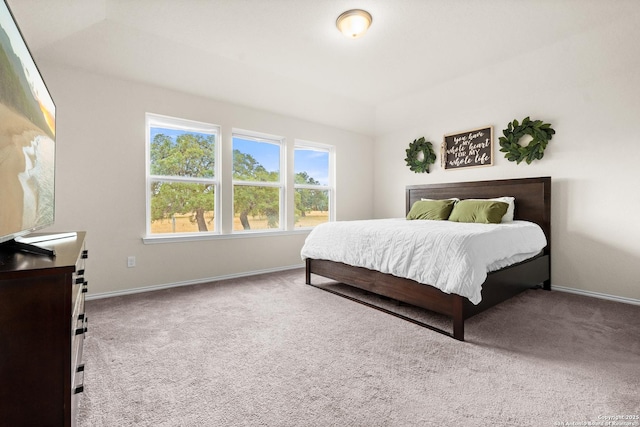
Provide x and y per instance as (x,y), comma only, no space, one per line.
(77,296)
(78,281)
(79,327)
(77,373)
(77,387)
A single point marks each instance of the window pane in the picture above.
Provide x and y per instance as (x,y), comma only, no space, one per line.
(311,166)
(178,207)
(255,207)
(255,160)
(181,153)
(312,207)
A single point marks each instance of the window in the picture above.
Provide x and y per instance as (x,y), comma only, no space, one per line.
(260,192)
(313,184)
(258,182)
(182,176)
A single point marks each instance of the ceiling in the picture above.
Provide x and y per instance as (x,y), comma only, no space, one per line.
(287,56)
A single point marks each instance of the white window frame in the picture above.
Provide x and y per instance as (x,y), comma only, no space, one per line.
(281,183)
(330,187)
(167,122)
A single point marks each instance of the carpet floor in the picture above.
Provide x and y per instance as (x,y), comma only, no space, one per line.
(268,350)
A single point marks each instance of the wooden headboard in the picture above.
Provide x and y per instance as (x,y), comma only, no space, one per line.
(533,197)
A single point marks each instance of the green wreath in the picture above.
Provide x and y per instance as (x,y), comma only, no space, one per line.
(539,131)
(420,155)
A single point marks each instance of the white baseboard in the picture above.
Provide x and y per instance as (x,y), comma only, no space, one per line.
(293,267)
(188,282)
(596,295)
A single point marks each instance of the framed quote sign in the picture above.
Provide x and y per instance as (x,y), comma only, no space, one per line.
(468,149)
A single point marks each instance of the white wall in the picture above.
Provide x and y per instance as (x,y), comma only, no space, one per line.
(100,181)
(588,88)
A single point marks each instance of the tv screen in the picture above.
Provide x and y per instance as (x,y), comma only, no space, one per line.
(27,137)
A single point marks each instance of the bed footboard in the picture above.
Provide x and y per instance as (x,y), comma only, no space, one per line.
(499,286)
(397,288)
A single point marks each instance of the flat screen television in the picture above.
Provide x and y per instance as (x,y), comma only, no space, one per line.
(27,137)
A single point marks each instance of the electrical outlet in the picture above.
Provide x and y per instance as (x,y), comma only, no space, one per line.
(131,261)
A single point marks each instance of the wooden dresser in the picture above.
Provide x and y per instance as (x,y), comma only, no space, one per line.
(42,328)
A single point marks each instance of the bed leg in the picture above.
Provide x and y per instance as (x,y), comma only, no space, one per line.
(546,285)
(458,318)
(307,273)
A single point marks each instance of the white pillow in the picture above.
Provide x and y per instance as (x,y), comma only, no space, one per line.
(455,199)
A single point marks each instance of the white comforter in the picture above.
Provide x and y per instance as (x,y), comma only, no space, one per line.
(454,257)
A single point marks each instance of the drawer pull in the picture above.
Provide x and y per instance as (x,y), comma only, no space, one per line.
(80,272)
(85,287)
(84,328)
(81,316)
(79,280)
(85,254)
(80,388)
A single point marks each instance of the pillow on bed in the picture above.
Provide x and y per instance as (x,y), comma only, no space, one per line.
(481,211)
(508,217)
(438,210)
(455,199)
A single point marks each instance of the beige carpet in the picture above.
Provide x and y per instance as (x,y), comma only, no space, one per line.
(271,351)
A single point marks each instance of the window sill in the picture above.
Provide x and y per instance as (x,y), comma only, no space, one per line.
(178,238)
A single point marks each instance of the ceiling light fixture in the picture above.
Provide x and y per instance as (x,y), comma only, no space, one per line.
(354,23)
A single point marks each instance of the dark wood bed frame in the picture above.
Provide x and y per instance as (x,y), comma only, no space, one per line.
(533,203)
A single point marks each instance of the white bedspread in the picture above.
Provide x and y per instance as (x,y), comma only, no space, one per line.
(454,257)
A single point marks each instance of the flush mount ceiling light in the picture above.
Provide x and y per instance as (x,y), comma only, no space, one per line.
(354,23)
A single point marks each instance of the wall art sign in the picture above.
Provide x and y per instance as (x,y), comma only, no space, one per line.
(468,149)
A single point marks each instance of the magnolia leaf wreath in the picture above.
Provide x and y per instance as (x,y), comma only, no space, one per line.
(534,150)
(420,155)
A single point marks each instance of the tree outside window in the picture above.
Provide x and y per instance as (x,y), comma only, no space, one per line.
(182,181)
(184,186)
(258,186)
(313,184)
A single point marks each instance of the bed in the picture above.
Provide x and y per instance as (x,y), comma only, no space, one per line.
(532,203)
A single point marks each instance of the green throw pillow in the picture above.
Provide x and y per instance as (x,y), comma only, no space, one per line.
(431,209)
(482,211)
